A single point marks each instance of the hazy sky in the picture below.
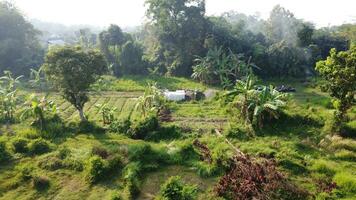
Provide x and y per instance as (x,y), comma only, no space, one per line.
(131,12)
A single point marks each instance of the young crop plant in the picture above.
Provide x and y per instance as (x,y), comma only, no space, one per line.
(107,113)
(8,95)
(257,104)
(152,101)
(38,108)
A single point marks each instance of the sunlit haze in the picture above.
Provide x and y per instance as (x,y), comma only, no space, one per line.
(132,12)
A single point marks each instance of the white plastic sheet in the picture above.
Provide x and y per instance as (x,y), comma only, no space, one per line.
(178,95)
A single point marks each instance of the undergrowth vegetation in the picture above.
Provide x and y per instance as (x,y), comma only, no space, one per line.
(116,154)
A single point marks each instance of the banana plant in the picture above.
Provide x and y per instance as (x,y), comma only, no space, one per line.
(8,95)
(108,113)
(38,107)
(267,104)
(151,101)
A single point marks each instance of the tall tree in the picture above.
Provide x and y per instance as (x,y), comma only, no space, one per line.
(72,70)
(19,46)
(180,28)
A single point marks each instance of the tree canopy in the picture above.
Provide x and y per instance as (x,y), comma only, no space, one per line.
(72,70)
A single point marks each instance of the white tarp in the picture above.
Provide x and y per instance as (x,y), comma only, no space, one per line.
(178,95)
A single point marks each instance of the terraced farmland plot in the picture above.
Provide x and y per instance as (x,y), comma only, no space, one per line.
(202,115)
(124,102)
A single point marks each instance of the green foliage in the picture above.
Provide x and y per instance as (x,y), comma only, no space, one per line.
(38,146)
(152,101)
(8,96)
(19,46)
(142,128)
(4,154)
(20,145)
(38,108)
(95,169)
(66,73)
(120,126)
(179,28)
(174,188)
(226,67)
(257,104)
(40,182)
(108,114)
(339,69)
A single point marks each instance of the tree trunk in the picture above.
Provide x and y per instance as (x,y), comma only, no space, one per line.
(81,115)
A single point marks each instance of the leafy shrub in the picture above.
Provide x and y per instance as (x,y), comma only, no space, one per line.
(140,129)
(20,145)
(174,189)
(4,154)
(39,146)
(95,169)
(40,182)
(114,162)
(132,175)
(120,126)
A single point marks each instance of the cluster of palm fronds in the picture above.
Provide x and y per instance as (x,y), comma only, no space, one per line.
(221,66)
(257,104)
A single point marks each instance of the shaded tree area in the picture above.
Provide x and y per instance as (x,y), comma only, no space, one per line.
(19,47)
(121,51)
(179,32)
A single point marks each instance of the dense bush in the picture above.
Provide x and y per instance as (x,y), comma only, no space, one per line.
(174,189)
(122,126)
(39,146)
(4,154)
(20,145)
(40,182)
(142,128)
(95,169)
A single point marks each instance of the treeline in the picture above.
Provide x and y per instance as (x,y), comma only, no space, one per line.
(179,36)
